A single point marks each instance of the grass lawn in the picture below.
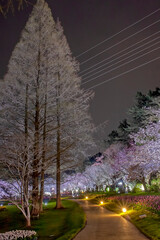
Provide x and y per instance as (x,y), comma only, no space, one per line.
(149,225)
(60,224)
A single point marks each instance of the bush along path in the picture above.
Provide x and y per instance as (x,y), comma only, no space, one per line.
(103,224)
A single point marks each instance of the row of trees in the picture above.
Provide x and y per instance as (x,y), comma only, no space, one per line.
(44,122)
(133,155)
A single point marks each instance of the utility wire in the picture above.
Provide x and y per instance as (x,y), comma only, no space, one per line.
(119,52)
(121,65)
(120,60)
(119,42)
(107,39)
(118,57)
(132,69)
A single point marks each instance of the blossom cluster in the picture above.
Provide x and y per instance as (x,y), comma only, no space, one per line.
(148,201)
(18,234)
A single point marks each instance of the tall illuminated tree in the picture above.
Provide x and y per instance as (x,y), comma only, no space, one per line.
(31,71)
(71,119)
(42,98)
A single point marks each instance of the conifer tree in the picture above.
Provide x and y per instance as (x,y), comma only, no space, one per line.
(43,100)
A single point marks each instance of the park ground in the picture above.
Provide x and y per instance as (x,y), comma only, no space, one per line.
(64,224)
(103,224)
(60,224)
(142,210)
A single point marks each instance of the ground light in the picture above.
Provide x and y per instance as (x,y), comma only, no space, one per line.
(101,202)
(142,187)
(86,197)
(124,210)
(108,189)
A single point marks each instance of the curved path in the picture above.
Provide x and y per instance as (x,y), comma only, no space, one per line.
(105,225)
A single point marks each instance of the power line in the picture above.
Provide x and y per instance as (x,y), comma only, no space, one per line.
(119,42)
(116,59)
(107,39)
(132,69)
(118,52)
(119,61)
(120,66)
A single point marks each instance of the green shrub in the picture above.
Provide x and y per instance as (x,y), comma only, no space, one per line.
(138,188)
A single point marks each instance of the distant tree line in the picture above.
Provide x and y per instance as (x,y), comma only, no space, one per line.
(138,117)
(132,154)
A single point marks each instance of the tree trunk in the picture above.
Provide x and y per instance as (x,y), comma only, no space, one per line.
(58,172)
(28,222)
(26,146)
(35,190)
(144,184)
(41,192)
(28,219)
(58,175)
(43,158)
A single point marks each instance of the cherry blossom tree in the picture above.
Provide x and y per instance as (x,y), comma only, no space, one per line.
(147,154)
(129,163)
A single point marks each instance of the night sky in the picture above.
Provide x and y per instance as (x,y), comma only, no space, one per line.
(88,22)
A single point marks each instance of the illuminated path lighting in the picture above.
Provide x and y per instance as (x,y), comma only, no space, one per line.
(101,202)
(142,187)
(120,183)
(86,197)
(124,210)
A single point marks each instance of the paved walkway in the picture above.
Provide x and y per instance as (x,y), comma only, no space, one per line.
(105,225)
